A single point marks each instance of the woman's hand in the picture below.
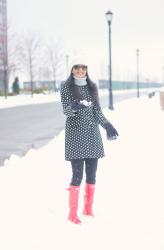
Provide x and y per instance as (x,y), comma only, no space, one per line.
(76,105)
(111,131)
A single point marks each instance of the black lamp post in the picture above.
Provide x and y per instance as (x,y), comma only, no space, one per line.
(109,15)
(163,77)
(138,83)
(67,65)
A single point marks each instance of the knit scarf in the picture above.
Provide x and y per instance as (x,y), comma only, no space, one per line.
(80,81)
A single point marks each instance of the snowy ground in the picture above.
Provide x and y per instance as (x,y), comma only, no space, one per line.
(21,100)
(12,101)
(128,207)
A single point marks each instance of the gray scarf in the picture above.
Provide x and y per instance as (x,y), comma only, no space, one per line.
(80,81)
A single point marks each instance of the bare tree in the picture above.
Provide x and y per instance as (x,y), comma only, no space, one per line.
(13,54)
(55,59)
(11,64)
(44,73)
(29,55)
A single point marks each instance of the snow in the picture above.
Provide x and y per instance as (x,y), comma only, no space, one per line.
(21,100)
(27,99)
(128,205)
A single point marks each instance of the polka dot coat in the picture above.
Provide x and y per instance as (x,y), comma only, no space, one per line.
(82,133)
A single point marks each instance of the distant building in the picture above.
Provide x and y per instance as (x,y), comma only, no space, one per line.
(3,46)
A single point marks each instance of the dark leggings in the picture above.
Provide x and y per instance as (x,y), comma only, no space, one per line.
(90,170)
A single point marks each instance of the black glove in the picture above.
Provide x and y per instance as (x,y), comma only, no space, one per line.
(111,131)
(76,105)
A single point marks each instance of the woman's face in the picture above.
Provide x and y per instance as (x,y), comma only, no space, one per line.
(79,71)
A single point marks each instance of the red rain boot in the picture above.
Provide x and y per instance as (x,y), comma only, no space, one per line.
(73,204)
(88,199)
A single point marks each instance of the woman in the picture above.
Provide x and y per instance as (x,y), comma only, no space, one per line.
(83,142)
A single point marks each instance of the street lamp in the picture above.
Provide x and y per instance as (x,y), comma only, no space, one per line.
(67,65)
(138,84)
(109,15)
(163,76)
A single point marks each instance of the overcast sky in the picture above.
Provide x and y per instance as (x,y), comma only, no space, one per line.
(81,25)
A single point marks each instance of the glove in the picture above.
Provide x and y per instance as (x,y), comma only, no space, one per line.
(111,131)
(76,105)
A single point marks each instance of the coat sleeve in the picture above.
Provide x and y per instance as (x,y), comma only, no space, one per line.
(99,116)
(66,101)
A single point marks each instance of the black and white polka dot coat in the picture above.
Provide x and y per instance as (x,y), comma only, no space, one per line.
(82,133)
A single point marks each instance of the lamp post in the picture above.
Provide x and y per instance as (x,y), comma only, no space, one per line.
(67,65)
(109,15)
(163,77)
(138,84)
